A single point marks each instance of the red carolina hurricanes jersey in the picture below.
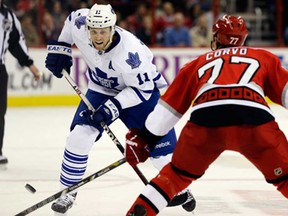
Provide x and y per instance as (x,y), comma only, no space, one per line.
(227,87)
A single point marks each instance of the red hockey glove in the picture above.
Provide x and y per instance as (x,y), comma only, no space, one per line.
(136,148)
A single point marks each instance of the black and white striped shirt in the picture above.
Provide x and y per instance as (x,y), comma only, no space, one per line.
(12,38)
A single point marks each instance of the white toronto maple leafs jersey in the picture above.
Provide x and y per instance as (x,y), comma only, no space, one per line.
(125,70)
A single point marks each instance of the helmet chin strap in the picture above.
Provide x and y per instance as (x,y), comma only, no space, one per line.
(214,43)
(211,46)
(110,40)
(100,52)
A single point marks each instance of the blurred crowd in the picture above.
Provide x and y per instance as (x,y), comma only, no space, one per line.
(177,23)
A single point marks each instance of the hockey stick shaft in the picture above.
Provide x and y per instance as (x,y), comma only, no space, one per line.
(105,127)
(71,188)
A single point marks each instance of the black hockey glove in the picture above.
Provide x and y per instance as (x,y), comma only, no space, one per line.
(59,57)
(107,113)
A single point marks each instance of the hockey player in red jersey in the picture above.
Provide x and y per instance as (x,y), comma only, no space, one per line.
(227,89)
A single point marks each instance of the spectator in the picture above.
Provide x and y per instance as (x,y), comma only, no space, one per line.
(166,15)
(135,21)
(29,31)
(201,34)
(23,6)
(28,6)
(123,24)
(58,15)
(72,5)
(194,12)
(48,28)
(178,34)
(84,4)
(164,19)
(286,35)
(144,33)
(285,22)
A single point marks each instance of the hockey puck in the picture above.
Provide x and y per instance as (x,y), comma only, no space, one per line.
(30,188)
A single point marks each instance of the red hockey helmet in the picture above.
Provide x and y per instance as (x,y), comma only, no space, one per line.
(230,31)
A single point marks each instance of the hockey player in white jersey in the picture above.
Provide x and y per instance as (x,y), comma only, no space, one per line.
(123,83)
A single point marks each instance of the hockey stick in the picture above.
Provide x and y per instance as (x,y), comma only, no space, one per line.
(72,187)
(105,127)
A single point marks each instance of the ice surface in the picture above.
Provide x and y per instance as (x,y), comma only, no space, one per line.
(34,143)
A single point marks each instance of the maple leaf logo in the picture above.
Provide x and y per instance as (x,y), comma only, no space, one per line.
(80,21)
(133,60)
(100,78)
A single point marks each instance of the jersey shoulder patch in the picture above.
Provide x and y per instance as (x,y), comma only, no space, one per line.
(80,21)
(133,60)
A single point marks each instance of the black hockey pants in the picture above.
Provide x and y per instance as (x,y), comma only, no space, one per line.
(3,102)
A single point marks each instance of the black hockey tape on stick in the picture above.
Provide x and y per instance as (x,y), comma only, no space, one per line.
(105,127)
(71,188)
